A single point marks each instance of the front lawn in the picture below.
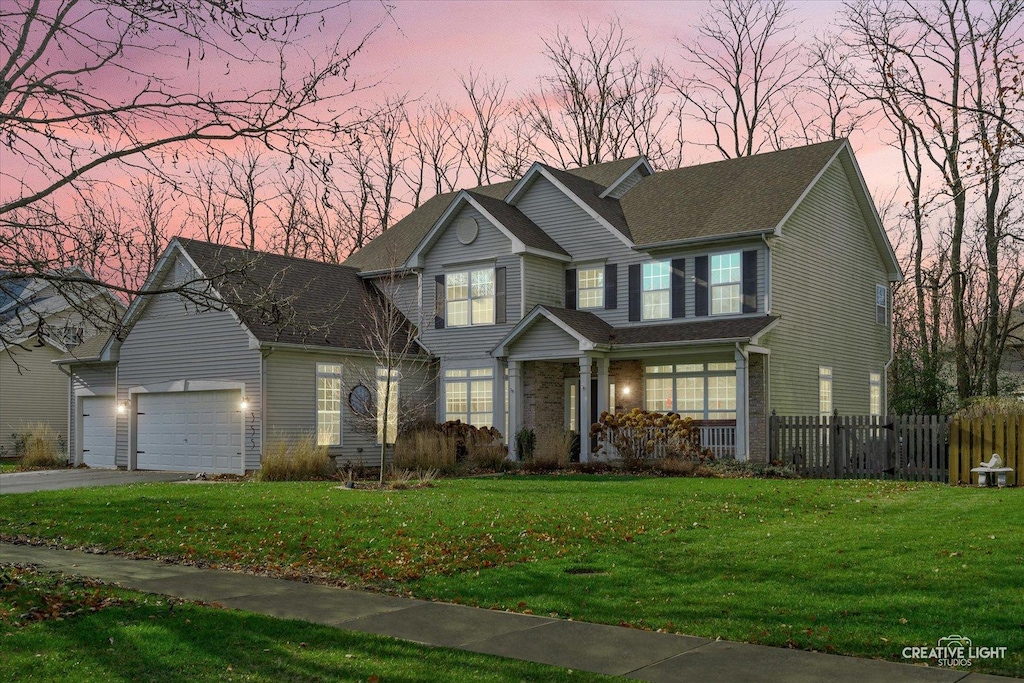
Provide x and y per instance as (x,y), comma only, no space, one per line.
(855,567)
(56,628)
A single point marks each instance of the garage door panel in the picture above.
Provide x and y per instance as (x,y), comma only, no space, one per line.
(98,431)
(192,431)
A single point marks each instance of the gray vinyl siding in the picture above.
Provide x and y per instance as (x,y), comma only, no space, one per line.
(588,241)
(32,390)
(824,270)
(173,341)
(291,400)
(88,379)
(404,292)
(449,255)
(543,282)
(544,340)
(626,185)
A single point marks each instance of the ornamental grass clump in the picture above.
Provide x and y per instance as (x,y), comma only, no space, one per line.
(638,437)
(39,447)
(990,406)
(294,460)
(426,449)
(552,450)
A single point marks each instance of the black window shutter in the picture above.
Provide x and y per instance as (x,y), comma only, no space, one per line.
(570,288)
(499,296)
(750,281)
(634,292)
(700,290)
(439,302)
(678,288)
(611,287)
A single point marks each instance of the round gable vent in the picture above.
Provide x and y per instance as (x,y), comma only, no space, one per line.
(467,229)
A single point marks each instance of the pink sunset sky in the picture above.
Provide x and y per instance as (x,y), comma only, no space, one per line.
(425,44)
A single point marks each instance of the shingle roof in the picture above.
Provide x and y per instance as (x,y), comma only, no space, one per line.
(605,174)
(589,191)
(517,222)
(748,194)
(88,350)
(291,300)
(595,329)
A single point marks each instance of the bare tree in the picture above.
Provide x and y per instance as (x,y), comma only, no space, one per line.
(602,101)
(78,106)
(739,74)
(478,131)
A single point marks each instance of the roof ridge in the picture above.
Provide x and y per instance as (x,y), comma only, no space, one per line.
(264,253)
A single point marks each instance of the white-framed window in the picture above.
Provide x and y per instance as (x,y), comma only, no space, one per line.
(703,391)
(590,287)
(328,404)
(656,290)
(572,405)
(469,297)
(469,396)
(882,305)
(824,391)
(726,283)
(875,393)
(387,405)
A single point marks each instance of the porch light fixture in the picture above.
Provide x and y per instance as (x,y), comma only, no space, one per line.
(245,403)
(625,390)
(122,407)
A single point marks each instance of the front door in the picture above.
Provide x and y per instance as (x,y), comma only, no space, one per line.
(572,407)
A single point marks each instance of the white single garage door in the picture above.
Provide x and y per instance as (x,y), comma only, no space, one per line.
(98,431)
(190,431)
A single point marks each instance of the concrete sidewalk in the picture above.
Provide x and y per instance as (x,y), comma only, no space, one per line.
(53,480)
(603,649)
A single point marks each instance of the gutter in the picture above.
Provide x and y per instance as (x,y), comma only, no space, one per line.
(701,240)
(338,350)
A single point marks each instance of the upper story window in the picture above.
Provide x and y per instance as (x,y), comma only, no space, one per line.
(590,287)
(656,290)
(726,283)
(881,304)
(469,298)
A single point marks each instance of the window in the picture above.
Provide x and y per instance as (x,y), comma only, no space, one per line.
(590,286)
(469,396)
(703,391)
(825,391)
(726,283)
(328,404)
(657,281)
(469,298)
(882,305)
(387,405)
(875,393)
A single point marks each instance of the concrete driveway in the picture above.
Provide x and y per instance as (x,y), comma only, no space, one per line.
(52,480)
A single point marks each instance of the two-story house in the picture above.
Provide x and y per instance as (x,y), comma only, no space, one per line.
(721,291)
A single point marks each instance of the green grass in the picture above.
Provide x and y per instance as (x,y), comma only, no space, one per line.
(7,465)
(60,628)
(854,567)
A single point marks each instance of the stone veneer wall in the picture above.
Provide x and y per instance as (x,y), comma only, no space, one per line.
(758,407)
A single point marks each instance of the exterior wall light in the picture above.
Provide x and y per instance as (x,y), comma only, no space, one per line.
(625,390)
(245,403)
(122,407)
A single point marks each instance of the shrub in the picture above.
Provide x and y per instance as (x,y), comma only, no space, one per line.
(298,460)
(990,406)
(484,451)
(39,447)
(526,442)
(638,436)
(423,449)
(553,449)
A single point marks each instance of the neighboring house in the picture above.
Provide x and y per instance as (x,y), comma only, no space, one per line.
(39,322)
(721,291)
(200,379)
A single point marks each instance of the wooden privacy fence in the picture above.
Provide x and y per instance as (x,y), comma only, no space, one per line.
(972,441)
(909,447)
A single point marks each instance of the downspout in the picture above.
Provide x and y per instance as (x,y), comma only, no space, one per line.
(746,400)
(263,400)
(767,276)
(892,355)
(71,412)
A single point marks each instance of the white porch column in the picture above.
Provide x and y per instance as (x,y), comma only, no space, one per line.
(498,401)
(584,417)
(515,404)
(742,423)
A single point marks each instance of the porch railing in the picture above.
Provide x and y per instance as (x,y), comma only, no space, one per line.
(719,439)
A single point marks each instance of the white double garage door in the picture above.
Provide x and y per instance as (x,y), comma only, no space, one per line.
(183,431)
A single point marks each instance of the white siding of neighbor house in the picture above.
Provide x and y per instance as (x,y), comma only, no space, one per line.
(824,270)
(32,390)
(174,341)
(544,339)
(447,254)
(88,379)
(291,399)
